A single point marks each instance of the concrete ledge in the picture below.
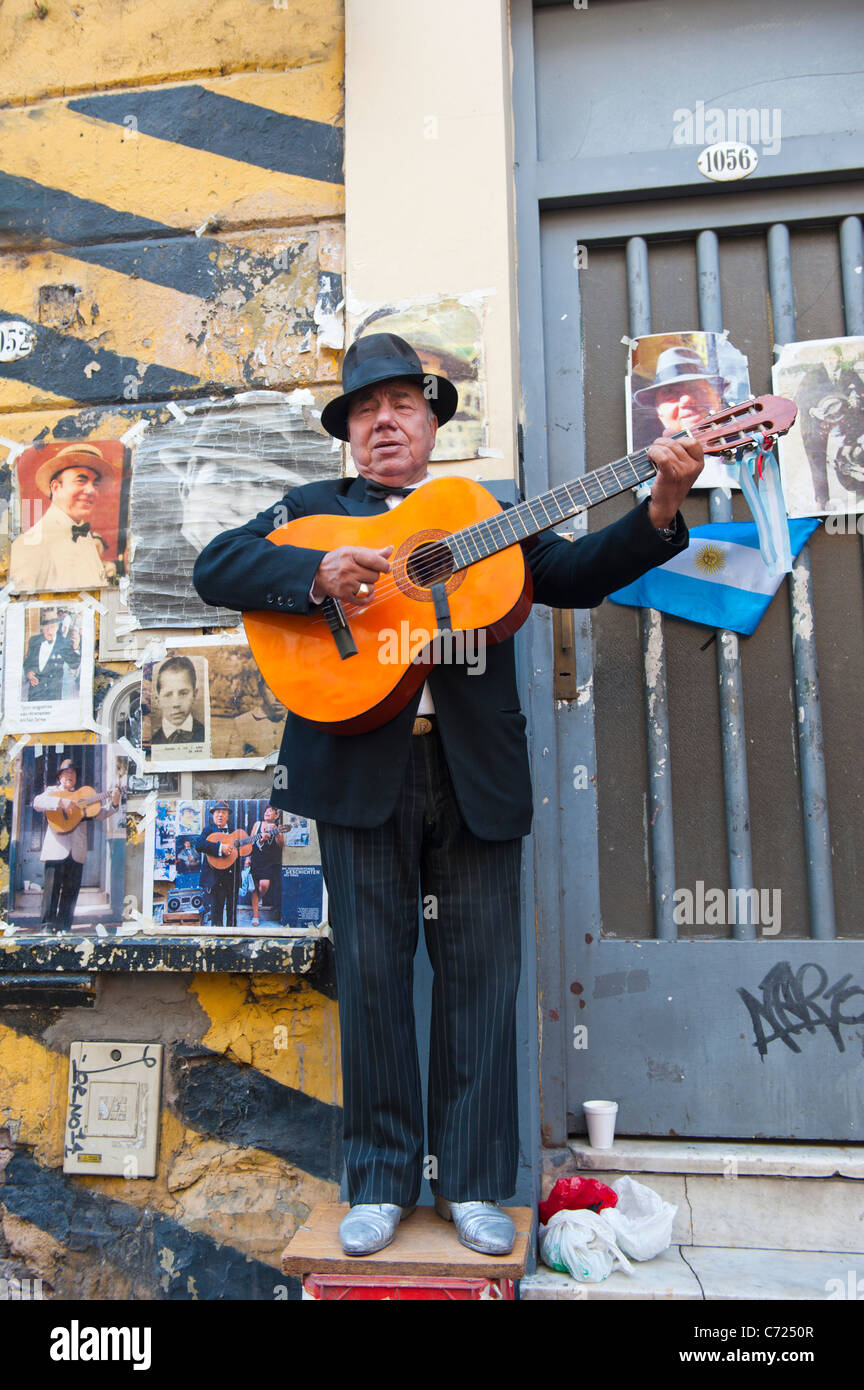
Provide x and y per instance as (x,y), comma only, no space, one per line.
(31,955)
(708,1156)
(708,1273)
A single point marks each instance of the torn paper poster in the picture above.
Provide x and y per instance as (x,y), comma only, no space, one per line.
(216,468)
(675,379)
(822,456)
(447,336)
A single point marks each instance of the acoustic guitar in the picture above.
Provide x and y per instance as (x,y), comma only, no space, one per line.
(457,568)
(237,842)
(88,804)
(233,842)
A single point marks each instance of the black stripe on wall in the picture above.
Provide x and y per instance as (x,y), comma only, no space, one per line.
(56,363)
(135,1239)
(223,125)
(239,1105)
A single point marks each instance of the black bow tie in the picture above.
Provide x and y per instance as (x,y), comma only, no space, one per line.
(82,530)
(381,490)
(178,736)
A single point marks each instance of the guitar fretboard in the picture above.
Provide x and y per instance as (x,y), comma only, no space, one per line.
(549,509)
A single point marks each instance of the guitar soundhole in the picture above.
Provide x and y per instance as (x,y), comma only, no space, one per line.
(429,564)
(424,559)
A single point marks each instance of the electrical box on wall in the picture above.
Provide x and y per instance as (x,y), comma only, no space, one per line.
(112,1120)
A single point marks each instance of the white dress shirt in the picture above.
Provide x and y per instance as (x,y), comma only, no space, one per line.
(47,557)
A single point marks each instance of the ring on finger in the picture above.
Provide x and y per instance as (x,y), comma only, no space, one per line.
(363,590)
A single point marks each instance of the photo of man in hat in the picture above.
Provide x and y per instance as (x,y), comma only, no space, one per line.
(223,884)
(434,802)
(682,393)
(50,653)
(64,851)
(59,552)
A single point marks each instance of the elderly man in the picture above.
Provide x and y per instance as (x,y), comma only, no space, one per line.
(59,553)
(435,801)
(49,654)
(683,390)
(222,885)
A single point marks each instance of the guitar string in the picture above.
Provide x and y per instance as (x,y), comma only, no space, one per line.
(425,569)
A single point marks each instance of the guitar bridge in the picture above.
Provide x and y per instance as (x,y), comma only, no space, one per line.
(338,625)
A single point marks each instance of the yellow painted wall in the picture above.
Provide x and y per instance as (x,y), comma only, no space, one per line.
(269,234)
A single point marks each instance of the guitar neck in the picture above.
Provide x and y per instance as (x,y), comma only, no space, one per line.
(518,523)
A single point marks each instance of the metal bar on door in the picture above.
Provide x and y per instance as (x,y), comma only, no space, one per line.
(814,789)
(661,830)
(736,793)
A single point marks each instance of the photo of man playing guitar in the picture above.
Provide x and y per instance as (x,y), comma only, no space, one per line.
(64,845)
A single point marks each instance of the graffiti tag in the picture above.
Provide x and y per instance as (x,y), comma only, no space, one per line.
(78,1087)
(789,1007)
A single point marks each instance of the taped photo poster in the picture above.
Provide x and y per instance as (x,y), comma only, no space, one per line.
(49,667)
(675,379)
(205,705)
(822,456)
(68,850)
(72,505)
(219,865)
(175,709)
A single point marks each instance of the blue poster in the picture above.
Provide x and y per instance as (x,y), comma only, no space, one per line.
(302,895)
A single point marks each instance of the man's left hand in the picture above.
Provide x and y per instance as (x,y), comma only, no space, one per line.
(679,463)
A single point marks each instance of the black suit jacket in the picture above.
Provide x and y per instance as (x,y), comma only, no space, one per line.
(354,779)
(208,875)
(193,735)
(50,685)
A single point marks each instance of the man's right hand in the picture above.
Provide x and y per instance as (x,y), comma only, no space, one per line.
(342,571)
(32,678)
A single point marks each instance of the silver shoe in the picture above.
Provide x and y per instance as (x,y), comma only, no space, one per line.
(482,1226)
(370,1226)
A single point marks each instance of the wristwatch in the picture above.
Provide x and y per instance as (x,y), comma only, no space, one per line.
(668,533)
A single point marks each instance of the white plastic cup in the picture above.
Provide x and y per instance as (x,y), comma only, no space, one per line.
(600,1115)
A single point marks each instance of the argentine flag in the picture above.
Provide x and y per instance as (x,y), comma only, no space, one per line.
(720,579)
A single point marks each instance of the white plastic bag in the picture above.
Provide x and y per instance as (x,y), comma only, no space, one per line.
(642,1221)
(581,1243)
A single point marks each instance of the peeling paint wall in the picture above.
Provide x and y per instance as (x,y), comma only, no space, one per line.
(173,226)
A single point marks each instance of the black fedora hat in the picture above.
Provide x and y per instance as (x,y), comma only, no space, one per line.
(384,357)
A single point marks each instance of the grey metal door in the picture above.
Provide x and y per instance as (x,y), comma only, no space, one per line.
(676,757)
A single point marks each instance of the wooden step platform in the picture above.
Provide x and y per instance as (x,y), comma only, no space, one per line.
(425,1247)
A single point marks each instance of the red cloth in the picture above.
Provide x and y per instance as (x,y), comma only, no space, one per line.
(577,1194)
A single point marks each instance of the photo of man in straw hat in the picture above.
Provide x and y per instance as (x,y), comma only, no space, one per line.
(59,552)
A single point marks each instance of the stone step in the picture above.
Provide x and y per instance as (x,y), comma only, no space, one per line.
(701,1273)
(708,1156)
(747,1196)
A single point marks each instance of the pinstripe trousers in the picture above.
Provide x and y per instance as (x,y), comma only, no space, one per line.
(470,893)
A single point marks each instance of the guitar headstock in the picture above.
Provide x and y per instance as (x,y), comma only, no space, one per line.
(745,425)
